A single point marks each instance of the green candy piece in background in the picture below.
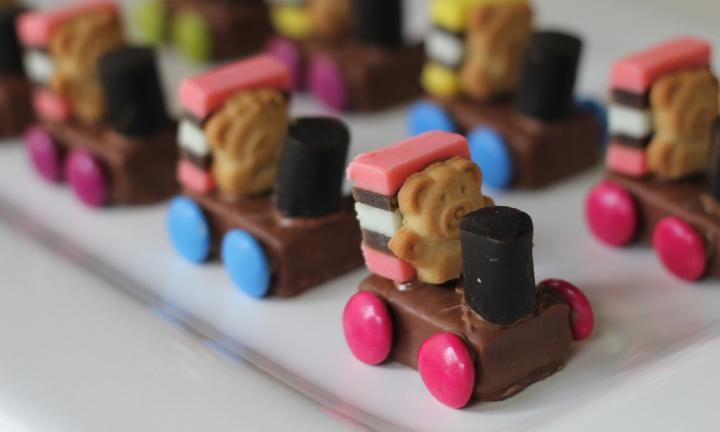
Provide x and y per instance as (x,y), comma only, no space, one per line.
(192,35)
(151,19)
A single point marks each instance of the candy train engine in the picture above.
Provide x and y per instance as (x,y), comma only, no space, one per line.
(453,290)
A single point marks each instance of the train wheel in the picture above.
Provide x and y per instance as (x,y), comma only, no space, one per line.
(611,214)
(45,154)
(87,178)
(368,328)
(151,18)
(582,318)
(428,116)
(189,229)
(447,369)
(288,52)
(680,248)
(246,263)
(193,35)
(327,83)
(490,152)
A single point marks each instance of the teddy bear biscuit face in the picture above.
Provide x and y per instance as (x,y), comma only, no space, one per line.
(684,106)
(330,18)
(76,47)
(246,136)
(432,203)
(496,40)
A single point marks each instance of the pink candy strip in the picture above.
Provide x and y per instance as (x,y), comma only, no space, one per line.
(387,266)
(627,160)
(50,106)
(194,178)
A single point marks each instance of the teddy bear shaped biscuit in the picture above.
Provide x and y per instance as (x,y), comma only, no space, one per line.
(246,137)
(684,106)
(432,203)
(76,47)
(330,18)
(496,39)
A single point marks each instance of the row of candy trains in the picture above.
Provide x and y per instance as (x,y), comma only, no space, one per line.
(452,289)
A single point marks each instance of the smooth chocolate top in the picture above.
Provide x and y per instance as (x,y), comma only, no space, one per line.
(11,58)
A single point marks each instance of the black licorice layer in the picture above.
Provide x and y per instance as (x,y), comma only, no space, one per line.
(379,22)
(311,167)
(547,83)
(713,173)
(131,82)
(498,271)
(11,59)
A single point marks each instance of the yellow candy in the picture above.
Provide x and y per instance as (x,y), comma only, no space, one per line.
(292,21)
(439,81)
(453,14)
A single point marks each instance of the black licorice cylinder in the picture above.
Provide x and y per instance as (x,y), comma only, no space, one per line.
(131,82)
(712,180)
(311,167)
(498,271)
(547,80)
(11,58)
(379,22)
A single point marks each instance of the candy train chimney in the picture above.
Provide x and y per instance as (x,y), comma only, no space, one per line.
(131,82)
(311,169)
(547,80)
(379,22)
(11,59)
(498,272)
(712,179)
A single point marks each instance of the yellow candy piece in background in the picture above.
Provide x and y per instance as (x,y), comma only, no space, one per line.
(440,81)
(292,21)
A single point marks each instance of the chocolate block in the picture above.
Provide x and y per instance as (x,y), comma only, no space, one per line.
(16,111)
(140,171)
(303,252)
(542,153)
(507,359)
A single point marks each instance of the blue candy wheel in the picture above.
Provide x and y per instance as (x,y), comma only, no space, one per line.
(246,263)
(597,109)
(492,155)
(428,116)
(189,229)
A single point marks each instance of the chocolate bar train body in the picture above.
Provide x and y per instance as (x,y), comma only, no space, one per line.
(205,30)
(103,126)
(510,91)
(267,202)
(16,112)
(350,54)
(663,162)
(453,290)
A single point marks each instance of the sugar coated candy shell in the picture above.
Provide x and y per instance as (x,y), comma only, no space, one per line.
(492,155)
(611,214)
(368,328)
(428,116)
(680,248)
(246,263)
(189,229)
(447,369)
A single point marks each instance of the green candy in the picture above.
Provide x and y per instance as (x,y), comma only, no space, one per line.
(192,35)
(151,19)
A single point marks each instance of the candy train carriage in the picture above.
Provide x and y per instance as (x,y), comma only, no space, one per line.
(103,126)
(452,291)
(16,112)
(350,54)
(261,192)
(510,91)
(205,30)
(662,184)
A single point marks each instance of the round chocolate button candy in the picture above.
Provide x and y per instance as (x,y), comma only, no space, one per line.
(368,328)
(428,116)
(45,154)
(327,82)
(680,248)
(447,369)
(189,229)
(192,35)
(611,214)
(490,152)
(87,178)
(246,263)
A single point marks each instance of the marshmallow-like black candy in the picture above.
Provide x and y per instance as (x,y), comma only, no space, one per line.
(135,98)
(712,182)
(498,272)
(311,168)
(379,22)
(11,56)
(547,80)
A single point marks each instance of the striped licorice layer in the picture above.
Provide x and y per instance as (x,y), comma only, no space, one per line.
(379,218)
(193,142)
(630,119)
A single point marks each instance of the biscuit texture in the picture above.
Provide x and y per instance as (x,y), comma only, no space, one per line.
(330,18)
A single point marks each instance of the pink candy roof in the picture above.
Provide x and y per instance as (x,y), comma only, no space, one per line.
(637,72)
(202,94)
(384,171)
(37,27)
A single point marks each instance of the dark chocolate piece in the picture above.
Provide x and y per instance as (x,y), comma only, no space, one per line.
(11,55)
(632,100)
(631,141)
(383,202)
(311,167)
(202,162)
(16,111)
(507,359)
(498,264)
(379,22)
(131,82)
(547,83)
(712,183)
(377,241)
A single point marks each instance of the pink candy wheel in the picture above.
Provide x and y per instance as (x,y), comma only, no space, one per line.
(611,213)
(582,318)
(327,83)
(287,52)
(368,328)
(45,154)
(447,369)
(87,178)
(680,248)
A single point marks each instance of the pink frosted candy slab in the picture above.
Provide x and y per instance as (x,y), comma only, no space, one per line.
(627,160)
(387,266)
(194,178)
